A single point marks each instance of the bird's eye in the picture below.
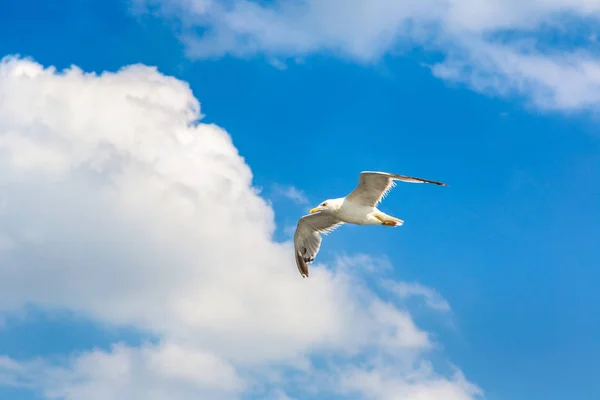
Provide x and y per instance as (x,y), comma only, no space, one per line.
(324,204)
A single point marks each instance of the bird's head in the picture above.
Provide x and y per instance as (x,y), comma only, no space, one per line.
(330,206)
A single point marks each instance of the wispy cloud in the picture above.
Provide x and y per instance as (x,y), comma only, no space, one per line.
(19,374)
(430,296)
(363,262)
(291,192)
(493,46)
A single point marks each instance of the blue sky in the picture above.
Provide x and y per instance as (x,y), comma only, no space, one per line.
(511,244)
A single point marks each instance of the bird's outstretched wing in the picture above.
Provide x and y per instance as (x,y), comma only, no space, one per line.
(373,186)
(307,239)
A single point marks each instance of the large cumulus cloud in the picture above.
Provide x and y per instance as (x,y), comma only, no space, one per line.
(117,204)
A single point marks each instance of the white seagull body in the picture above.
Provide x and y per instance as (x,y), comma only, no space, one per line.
(359,207)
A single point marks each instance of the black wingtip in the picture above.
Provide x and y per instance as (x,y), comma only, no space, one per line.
(435,182)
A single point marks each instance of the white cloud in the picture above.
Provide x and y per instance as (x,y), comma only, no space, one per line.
(421,383)
(119,206)
(567,81)
(149,372)
(474,35)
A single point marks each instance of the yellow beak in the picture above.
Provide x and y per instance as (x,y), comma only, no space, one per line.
(314,210)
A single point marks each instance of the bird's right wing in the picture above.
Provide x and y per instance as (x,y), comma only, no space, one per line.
(373,186)
(307,239)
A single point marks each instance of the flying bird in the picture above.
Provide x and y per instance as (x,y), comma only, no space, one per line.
(359,207)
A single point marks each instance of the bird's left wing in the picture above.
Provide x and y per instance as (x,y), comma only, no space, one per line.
(373,186)
(307,239)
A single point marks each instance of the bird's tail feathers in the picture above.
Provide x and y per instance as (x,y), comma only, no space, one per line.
(388,220)
(394,221)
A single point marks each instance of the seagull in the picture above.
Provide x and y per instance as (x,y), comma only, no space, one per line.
(359,207)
